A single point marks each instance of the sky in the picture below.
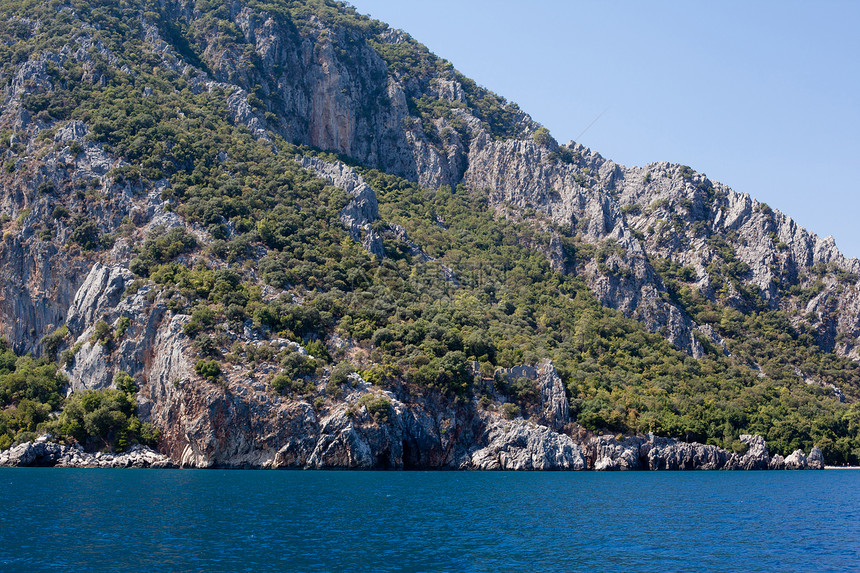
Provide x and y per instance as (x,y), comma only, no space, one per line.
(761,96)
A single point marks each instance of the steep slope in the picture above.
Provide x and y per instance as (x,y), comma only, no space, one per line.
(315,244)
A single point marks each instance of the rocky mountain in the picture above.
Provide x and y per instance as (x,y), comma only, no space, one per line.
(312,243)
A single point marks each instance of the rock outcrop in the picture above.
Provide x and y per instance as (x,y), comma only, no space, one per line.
(45,453)
(359,213)
(552,396)
(413,436)
(655,453)
(815,460)
(521,445)
(796,461)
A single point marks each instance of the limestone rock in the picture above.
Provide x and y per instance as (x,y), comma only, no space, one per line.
(361,211)
(777,462)
(608,453)
(46,453)
(815,460)
(552,395)
(796,461)
(756,456)
(670,454)
(520,445)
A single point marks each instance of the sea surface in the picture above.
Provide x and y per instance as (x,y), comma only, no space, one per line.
(213,520)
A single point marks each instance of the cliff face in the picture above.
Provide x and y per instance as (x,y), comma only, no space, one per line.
(75,210)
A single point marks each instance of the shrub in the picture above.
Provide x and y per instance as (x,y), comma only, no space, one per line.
(102,334)
(122,326)
(318,350)
(284,383)
(85,233)
(524,390)
(123,381)
(510,411)
(205,345)
(296,365)
(377,406)
(381,336)
(103,418)
(161,247)
(340,373)
(209,369)
(543,138)
(52,342)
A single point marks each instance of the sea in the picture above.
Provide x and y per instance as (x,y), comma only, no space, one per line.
(242,520)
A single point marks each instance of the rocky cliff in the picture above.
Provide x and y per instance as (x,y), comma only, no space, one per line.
(110,141)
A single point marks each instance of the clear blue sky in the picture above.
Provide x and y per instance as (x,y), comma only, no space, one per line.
(762,96)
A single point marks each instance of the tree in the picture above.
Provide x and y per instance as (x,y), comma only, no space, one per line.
(543,138)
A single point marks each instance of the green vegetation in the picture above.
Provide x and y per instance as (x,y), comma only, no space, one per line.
(30,391)
(543,138)
(32,396)
(510,411)
(485,294)
(161,247)
(294,378)
(377,406)
(52,342)
(104,419)
(209,369)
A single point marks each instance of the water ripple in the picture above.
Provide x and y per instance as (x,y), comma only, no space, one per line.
(428,521)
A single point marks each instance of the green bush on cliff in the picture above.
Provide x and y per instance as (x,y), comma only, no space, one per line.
(104,419)
(29,391)
(51,342)
(543,138)
(208,369)
(161,247)
(378,407)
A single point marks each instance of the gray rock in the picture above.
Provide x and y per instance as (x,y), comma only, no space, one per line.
(553,397)
(608,453)
(815,460)
(796,461)
(520,445)
(45,453)
(777,462)
(756,456)
(670,454)
(361,211)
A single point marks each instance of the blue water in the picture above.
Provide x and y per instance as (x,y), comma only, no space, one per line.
(151,520)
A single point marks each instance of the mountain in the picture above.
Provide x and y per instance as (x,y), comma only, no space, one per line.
(282,234)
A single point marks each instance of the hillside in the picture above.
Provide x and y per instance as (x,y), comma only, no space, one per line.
(309,242)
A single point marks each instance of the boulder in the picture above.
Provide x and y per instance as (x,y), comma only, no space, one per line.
(815,461)
(777,462)
(521,445)
(610,454)
(552,396)
(796,461)
(44,453)
(756,456)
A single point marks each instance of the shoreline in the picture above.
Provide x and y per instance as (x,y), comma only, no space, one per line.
(607,455)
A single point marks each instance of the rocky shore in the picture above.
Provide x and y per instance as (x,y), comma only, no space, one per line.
(42,453)
(515,446)
(523,446)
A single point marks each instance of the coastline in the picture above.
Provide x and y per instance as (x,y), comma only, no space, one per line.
(599,453)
